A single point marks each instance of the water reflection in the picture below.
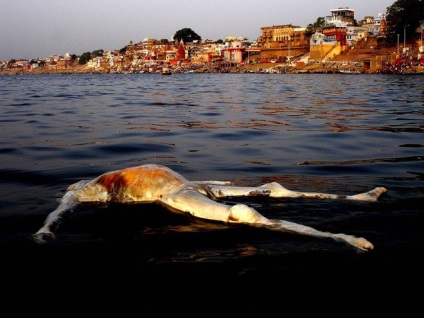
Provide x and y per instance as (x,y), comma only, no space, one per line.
(325,133)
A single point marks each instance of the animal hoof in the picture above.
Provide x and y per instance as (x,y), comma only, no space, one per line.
(44,237)
(361,244)
(364,245)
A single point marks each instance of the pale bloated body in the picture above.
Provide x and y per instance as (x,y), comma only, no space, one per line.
(159,184)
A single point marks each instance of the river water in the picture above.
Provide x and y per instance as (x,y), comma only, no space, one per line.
(333,133)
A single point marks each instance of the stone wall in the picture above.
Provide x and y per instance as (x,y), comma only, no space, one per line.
(324,51)
(282,52)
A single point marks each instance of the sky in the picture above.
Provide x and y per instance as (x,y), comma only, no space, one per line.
(40,28)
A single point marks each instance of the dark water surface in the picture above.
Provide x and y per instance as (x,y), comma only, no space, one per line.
(330,133)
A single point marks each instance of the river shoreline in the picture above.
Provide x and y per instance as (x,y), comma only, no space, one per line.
(258,68)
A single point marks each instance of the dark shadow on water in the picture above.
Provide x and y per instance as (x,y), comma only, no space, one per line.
(159,263)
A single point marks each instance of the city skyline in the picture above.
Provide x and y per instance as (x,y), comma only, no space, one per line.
(40,28)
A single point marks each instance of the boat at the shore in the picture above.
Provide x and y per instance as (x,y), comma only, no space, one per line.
(349,72)
(166,71)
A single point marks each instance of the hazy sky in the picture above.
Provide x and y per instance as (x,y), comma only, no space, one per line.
(40,28)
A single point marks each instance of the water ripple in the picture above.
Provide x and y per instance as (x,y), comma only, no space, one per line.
(322,132)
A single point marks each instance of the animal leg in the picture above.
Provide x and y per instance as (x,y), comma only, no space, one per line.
(53,219)
(213,182)
(222,191)
(190,201)
(276,190)
(244,214)
(361,244)
(372,195)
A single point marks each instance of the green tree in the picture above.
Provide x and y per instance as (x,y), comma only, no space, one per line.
(84,58)
(187,35)
(10,63)
(316,26)
(98,52)
(404,16)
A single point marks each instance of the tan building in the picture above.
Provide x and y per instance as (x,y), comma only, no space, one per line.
(283,41)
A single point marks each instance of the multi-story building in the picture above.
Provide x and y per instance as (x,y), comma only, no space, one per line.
(283,41)
(333,38)
(233,50)
(335,29)
(355,34)
(343,16)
